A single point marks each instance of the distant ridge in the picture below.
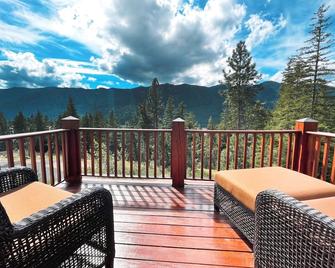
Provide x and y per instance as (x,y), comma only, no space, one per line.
(51,101)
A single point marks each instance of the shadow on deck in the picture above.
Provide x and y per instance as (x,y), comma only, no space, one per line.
(157,225)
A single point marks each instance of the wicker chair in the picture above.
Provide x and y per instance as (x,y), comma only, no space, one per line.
(289,233)
(75,232)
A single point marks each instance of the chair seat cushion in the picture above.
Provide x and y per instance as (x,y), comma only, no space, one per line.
(324,205)
(25,200)
(245,184)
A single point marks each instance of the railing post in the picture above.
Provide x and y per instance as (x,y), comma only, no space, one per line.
(304,146)
(72,150)
(178,153)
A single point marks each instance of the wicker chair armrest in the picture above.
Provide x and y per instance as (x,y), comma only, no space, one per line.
(6,228)
(13,177)
(289,233)
(62,229)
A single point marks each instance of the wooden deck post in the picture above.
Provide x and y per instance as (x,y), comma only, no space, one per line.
(304,146)
(178,153)
(72,150)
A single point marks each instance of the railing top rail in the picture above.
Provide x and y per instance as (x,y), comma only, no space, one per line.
(30,134)
(243,131)
(320,133)
(126,129)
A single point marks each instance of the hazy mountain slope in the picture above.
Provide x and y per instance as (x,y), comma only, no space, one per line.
(202,101)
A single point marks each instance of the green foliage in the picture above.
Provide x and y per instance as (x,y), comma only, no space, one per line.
(70,109)
(3,125)
(19,123)
(241,78)
(154,106)
(169,115)
(112,120)
(304,91)
(294,96)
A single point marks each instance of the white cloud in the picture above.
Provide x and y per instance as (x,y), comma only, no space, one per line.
(18,35)
(261,29)
(24,70)
(139,40)
(277,77)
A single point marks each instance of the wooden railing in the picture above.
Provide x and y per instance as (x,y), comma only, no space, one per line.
(42,151)
(321,158)
(213,150)
(176,153)
(112,152)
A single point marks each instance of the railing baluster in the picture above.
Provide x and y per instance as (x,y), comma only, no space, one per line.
(42,158)
(245,150)
(202,156)
(193,155)
(271,150)
(147,154)
(253,156)
(280,149)
(64,156)
(262,149)
(84,152)
(22,152)
(219,151)
(316,159)
(131,152)
(326,148)
(107,154)
(123,154)
(51,162)
(10,156)
(210,155)
(236,150)
(115,153)
(32,154)
(332,176)
(227,151)
(288,152)
(139,160)
(58,171)
(100,152)
(92,152)
(155,154)
(163,154)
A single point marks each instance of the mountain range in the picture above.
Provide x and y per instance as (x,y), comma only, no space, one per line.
(51,101)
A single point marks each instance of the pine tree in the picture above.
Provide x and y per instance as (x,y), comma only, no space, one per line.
(319,67)
(210,123)
(3,124)
(150,112)
(241,90)
(112,120)
(294,95)
(168,113)
(70,109)
(181,110)
(39,122)
(19,123)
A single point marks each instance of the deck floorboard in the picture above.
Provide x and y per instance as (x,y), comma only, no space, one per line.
(159,226)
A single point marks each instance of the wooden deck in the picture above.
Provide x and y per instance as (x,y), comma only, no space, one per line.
(159,226)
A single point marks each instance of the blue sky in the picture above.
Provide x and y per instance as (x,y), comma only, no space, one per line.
(126,43)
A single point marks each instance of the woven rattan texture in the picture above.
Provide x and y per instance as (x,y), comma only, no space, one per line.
(289,234)
(76,232)
(242,217)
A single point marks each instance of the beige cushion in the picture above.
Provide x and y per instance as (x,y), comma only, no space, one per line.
(245,184)
(25,200)
(325,205)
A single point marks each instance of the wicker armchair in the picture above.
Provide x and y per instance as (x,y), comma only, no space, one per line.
(75,232)
(289,233)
